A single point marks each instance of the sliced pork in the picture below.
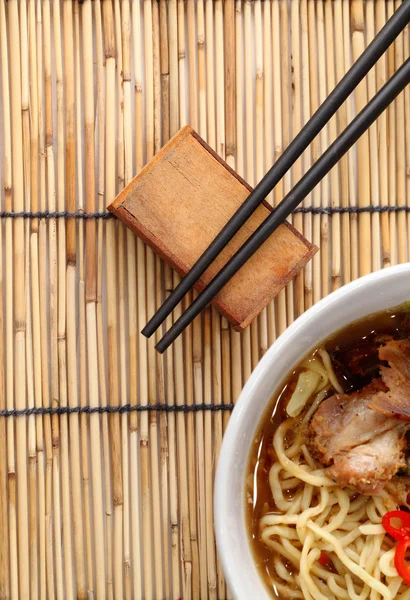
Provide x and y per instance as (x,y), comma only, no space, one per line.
(363,447)
(368,467)
(396,400)
(345,421)
(399,490)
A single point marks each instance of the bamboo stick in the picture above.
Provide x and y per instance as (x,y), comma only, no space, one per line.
(181,63)
(239,68)
(210,546)
(151,437)
(57,253)
(219,78)
(163,17)
(354,234)
(406,43)
(268,129)
(173,66)
(217,418)
(173,481)
(29,346)
(259,126)
(143,350)
(217,322)
(334,173)
(89,158)
(164,452)
(45,377)
(122,570)
(67,317)
(188,585)
(124,420)
(230,82)
(240,165)
(192,66)
(344,162)
(211,318)
(173,468)
(32,455)
(197,335)
(381,78)
(267,123)
(296,126)
(278,141)
(227,368)
(200,454)
(4,523)
(9,579)
(374,157)
(170,64)
(19,301)
(324,142)
(201,69)
(231,349)
(400,166)
(306,112)
(250,155)
(249,98)
(315,147)
(151,307)
(112,306)
(75,440)
(286,124)
(156,60)
(54,357)
(191,462)
(64,278)
(210,82)
(135,565)
(363,164)
(392,146)
(34,164)
(161,458)
(198,573)
(96,341)
(132,285)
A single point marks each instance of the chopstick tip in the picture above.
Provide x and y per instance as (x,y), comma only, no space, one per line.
(147,331)
(161,346)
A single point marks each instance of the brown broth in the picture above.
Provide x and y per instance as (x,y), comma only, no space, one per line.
(393,322)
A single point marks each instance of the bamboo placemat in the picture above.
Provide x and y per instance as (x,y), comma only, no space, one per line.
(101,494)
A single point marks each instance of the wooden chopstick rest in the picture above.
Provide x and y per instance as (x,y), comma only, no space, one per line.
(180,201)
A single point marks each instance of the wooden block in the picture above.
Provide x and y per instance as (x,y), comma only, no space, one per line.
(181,200)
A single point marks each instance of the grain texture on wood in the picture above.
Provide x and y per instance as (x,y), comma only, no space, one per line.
(178,204)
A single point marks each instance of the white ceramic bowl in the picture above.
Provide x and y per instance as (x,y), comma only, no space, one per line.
(367,295)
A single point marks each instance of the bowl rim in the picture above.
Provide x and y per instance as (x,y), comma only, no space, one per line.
(239,414)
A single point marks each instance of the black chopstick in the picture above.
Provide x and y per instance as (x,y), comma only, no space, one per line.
(358,71)
(305,185)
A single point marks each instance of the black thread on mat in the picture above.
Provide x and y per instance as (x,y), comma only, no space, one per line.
(315,210)
(354,210)
(126,408)
(25,214)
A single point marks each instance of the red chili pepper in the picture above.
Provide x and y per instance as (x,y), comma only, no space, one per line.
(402,566)
(325,561)
(403,531)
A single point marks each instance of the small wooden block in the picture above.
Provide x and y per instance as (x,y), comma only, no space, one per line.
(180,201)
